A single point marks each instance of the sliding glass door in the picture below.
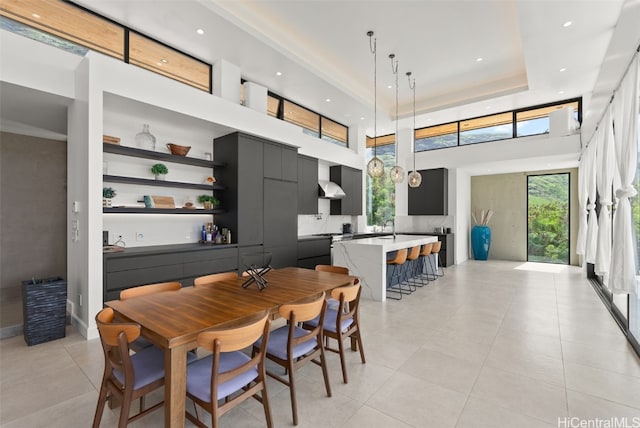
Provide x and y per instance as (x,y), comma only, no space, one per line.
(548,218)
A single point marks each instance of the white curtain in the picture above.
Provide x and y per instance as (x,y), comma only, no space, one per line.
(592,223)
(625,110)
(604,179)
(583,195)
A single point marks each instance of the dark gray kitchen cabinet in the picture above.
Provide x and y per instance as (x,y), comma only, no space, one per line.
(280,162)
(431,198)
(243,155)
(307,185)
(350,180)
(281,221)
(312,252)
(161,263)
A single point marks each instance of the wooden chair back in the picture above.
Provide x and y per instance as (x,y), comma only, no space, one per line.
(426,249)
(215,277)
(348,293)
(110,332)
(401,257)
(436,247)
(233,339)
(333,269)
(301,312)
(144,290)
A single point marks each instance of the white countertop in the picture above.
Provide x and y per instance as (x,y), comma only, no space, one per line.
(388,243)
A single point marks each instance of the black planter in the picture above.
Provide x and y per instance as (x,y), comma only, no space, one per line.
(44,309)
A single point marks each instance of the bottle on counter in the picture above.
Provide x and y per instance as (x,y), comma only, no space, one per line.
(203,233)
(228,237)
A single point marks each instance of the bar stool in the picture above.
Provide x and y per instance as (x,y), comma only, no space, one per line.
(396,265)
(436,250)
(413,268)
(424,256)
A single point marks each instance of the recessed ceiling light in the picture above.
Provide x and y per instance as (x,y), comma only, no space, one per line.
(200,31)
(361,117)
(560,92)
(328,100)
(567,24)
(487,107)
(479,59)
(278,73)
(563,69)
(389,87)
(35,15)
(164,61)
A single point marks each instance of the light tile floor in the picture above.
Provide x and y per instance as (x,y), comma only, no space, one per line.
(487,345)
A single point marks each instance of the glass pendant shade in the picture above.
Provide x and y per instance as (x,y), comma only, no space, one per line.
(396,174)
(415,179)
(375,167)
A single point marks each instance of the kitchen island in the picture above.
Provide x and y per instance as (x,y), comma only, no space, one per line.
(367,259)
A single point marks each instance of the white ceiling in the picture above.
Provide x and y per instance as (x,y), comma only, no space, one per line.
(322,51)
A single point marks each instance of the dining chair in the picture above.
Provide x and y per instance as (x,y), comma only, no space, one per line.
(213,382)
(126,377)
(144,290)
(425,252)
(343,323)
(333,269)
(412,271)
(396,265)
(436,263)
(331,302)
(291,346)
(214,277)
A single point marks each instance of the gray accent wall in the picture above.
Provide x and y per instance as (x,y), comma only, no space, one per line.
(33,198)
(506,195)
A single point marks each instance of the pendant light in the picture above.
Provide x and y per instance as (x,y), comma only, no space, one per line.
(414,176)
(375,167)
(397,173)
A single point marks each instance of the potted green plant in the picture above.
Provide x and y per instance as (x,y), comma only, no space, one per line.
(209,201)
(107,194)
(159,170)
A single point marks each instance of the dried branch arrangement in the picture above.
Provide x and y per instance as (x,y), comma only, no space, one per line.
(485,217)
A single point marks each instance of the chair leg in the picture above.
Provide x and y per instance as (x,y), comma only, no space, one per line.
(440,265)
(342,360)
(292,392)
(359,338)
(325,371)
(102,401)
(265,403)
(124,409)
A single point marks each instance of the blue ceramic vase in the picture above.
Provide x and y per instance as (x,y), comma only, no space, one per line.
(480,241)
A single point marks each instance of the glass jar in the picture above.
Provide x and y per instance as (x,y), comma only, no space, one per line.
(145,140)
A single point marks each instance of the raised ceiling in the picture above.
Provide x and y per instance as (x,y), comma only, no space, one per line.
(322,51)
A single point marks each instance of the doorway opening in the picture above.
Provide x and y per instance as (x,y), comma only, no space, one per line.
(548,218)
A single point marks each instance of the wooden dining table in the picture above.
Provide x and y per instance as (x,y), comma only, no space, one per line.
(172,320)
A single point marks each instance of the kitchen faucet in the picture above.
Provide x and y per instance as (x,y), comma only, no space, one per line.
(393,226)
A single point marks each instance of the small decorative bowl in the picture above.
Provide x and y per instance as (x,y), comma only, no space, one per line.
(178,150)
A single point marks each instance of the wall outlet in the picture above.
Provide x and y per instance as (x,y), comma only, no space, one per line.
(139,236)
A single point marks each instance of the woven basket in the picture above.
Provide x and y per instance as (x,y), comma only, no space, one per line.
(44,309)
(178,150)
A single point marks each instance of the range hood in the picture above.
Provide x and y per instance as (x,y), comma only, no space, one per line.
(330,190)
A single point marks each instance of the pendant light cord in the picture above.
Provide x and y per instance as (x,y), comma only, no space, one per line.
(394,69)
(412,86)
(374,51)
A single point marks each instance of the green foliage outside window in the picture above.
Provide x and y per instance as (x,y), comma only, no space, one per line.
(381,191)
(548,218)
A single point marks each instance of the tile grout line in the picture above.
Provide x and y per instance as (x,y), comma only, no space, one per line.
(564,369)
